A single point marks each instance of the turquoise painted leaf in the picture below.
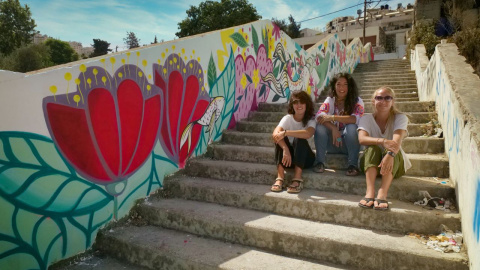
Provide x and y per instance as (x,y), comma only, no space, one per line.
(50,212)
(224,87)
(212,72)
(255,39)
(239,39)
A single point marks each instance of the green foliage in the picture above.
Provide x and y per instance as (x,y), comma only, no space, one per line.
(61,52)
(17,28)
(212,15)
(424,33)
(131,40)
(27,58)
(100,47)
(292,29)
(468,43)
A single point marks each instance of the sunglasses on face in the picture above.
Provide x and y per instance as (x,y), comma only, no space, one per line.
(297,101)
(386,98)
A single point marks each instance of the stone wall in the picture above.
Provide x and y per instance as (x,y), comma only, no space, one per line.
(80,143)
(449,81)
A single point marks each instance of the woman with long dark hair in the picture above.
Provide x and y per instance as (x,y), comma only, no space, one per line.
(337,121)
(291,146)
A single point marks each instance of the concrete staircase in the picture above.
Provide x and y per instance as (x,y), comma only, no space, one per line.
(220,214)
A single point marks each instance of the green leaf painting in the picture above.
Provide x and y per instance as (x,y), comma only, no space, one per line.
(49,208)
(212,72)
(224,87)
(239,39)
(255,40)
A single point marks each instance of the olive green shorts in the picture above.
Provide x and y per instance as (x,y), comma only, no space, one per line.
(372,157)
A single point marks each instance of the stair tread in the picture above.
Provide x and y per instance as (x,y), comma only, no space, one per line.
(232,217)
(204,253)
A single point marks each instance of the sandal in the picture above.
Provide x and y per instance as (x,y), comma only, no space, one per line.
(352,171)
(367,200)
(379,201)
(295,189)
(277,188)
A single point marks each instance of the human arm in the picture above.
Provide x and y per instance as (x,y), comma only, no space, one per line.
(279,135)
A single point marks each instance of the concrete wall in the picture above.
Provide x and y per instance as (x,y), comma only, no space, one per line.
(79,143)
(450,82)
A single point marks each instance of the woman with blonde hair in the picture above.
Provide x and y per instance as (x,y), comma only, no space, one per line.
(292,149)
(383,133)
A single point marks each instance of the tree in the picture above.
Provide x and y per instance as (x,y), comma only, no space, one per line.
(293,29)
(131,40)
(100,47)
(27,58)
(17,28)
(155,41)
(212,15)
(61,52)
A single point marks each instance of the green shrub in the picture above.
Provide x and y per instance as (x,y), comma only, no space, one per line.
(468,43)
(424,33)
(27,58)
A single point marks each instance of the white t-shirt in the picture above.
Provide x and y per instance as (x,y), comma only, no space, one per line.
(289,123)
(367,123)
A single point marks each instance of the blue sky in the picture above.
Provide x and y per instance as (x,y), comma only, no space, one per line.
(84,20)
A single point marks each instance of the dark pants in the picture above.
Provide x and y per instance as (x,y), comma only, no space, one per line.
(302,155)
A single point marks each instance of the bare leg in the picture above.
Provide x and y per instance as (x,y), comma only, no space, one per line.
(370,174)
(280,174)
(383,190)
(297,175)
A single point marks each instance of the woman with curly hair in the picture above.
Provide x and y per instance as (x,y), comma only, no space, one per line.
(337,121)
(291,146)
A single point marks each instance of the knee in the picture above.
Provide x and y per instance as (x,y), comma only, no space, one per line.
(321,130)
(351,130)
(373,150)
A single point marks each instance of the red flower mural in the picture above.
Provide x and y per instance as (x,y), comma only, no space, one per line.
(186,100)
(106,129)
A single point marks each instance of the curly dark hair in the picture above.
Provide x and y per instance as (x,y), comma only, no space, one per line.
(305,99)
(352,95)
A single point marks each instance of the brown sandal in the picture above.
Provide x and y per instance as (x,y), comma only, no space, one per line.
(277,188)
(295,189)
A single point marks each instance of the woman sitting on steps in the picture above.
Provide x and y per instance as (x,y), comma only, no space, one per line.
(382,132)
(291,146)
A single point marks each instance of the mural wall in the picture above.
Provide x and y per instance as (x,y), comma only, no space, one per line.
(80,143)
(451,83)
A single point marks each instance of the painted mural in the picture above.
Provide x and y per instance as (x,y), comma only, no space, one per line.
(104,132)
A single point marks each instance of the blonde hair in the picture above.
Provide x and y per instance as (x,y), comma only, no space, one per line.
(393,110)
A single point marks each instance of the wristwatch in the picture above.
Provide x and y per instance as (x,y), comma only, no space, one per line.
(391,153)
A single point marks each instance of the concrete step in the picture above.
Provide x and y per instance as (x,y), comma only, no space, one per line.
(372,76)
(341,245)
(415,117)
(159,248)
(368,95)
(388,68)
(416,106)
(360,73)
(414,145)
(391,82)
(268,127)
(314,205)
(430,165)
(398,92)
(375,86)
(98,261)
(405,188)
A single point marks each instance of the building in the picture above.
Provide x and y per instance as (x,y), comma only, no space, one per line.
(79,49)
(385,29)
(39,38)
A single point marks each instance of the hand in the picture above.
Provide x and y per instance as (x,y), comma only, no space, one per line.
(386,165)
(391,145)
(287,158)
(325,118)
(279,136)
(336,137)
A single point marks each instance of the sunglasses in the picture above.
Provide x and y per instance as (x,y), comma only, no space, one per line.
(386,98)
(297,101)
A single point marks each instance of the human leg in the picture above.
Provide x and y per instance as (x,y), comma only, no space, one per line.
(352,145)
(322,138)
(369,164)
(280,180)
